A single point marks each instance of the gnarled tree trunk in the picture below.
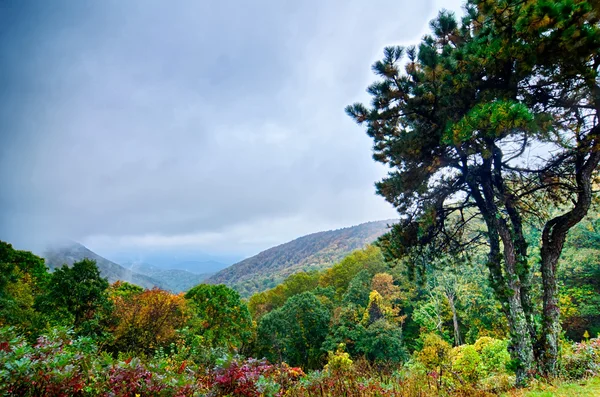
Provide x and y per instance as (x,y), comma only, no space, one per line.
(553,239)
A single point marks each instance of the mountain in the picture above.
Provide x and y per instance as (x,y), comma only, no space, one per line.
(201,267)
(192,260)
(71,252)
(314,251)
(175,280)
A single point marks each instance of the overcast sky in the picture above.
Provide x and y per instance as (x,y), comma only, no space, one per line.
(214,125)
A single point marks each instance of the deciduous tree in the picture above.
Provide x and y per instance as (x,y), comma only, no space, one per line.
(77,296)
(219,315)
(145,320)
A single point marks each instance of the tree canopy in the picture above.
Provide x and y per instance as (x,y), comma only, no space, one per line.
(220,316)
(77,296)
(493,118)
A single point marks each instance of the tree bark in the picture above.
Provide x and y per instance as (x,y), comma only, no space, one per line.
(508,275)
(553,239)
(551,311)
(457,338)
(521,340)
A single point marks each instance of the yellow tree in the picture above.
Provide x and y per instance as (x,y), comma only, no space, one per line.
(147,320)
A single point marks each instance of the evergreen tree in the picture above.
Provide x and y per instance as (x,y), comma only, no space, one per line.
(457,126)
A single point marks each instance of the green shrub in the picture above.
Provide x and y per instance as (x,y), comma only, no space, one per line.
(494,356)
(466,361)
(435,353)
(339,361)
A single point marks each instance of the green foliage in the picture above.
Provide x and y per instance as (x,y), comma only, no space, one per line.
(339,361)
(23,278)
(382,343)
(316,251)
(435,354)
(77,296)
(296,331)
(220,316)
(340,275)
(579,277)
(346,328)
(494,355)
(124,290)
(272,337)
(358,290)
(263,302)
(466,361)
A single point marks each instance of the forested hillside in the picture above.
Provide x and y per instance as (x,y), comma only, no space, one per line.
(175,280)
(312,252)
(375,325)
(488,284)
(70,252)
(144,275)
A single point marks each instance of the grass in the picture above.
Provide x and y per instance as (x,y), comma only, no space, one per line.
(587,388)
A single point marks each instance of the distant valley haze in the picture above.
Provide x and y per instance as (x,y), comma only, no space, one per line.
(189,134)
(264,270)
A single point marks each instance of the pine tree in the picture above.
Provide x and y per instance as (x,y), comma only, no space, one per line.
(494,118)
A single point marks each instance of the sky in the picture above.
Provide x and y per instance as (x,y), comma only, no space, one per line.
(209,126)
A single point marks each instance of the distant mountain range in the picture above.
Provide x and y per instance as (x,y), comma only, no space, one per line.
(314,251)
(258,273)
(71,252)
(176,280)
(185,258)
(142,274)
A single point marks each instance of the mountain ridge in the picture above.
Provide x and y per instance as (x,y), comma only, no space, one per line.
(313,251)
(143,274)
(70,252)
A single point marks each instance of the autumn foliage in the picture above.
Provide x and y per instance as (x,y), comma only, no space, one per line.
(147,320)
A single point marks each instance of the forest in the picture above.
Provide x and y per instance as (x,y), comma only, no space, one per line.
(489,283)
(366,326)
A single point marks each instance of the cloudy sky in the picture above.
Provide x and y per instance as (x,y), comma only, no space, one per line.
(168,125)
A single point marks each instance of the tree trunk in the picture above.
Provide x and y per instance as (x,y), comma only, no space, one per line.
(551,312)
(553,239)
(507,275)
(521,345)
(521,341)
(457,338)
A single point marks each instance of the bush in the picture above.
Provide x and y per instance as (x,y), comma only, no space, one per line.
(435,354)
(52,367)
(466,361)
(253,378)
(494,356)
(339,361)
(581,359)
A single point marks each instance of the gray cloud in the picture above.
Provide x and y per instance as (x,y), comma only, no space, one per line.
(214,125)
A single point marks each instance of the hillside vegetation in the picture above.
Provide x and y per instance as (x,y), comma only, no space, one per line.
(71,252)
(175,280)
(487,285)
(364,327)
(312,252)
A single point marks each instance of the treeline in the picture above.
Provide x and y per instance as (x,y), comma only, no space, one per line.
(122,317)
(366,323)
(342,303)
(383,311)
